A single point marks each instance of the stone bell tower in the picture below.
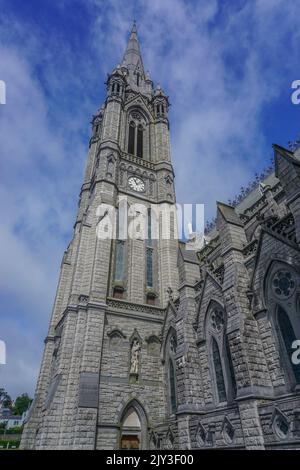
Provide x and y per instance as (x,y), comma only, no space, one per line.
(101,383)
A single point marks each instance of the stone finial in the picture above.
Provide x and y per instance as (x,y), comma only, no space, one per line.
(294,145)
(170,293)
(263,188)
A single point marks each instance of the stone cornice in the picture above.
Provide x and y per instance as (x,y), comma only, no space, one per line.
(123,305)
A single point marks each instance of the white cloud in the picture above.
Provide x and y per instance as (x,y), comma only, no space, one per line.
(23,355)
(219,77)
(220,62)
(40,174)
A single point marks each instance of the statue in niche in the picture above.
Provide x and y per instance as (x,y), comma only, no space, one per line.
(135,357)
(110,168)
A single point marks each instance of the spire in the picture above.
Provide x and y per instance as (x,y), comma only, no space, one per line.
(132,58)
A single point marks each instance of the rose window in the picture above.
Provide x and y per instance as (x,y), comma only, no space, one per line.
(217,319)
(283,284)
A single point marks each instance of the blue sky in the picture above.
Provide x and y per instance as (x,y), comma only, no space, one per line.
(227,68)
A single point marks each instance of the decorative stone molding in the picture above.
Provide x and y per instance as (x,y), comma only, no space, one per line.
(200,435)
(116,331)
(228,431)
(141,308)
(283,284)
(153,345)
(169,440)
(116,337)
(280,424)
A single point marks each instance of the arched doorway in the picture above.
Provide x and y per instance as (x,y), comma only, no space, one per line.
(133,427)
(131,430)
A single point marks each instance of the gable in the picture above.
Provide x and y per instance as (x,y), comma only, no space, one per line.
(270,248)
(139,101)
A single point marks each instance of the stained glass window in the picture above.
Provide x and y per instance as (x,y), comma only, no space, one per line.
(218,371)
(172,387)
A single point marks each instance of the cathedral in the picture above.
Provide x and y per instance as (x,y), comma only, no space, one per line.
(151,344)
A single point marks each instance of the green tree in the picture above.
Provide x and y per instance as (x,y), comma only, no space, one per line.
(5,399)
(21,404)
(2,428)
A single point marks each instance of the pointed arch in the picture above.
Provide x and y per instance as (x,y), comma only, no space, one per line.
(131,138)
(172,385)
(218,368)
(209,285)
(281,296)
(218,350)
(214,303)
(110,166)
(275,264)
(288,337)
(168,359)
(171,332)
(230,368)
(137,136)
(120,253)
(139,141)
(133,422)
(139,106)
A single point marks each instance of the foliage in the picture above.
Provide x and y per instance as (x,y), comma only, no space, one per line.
(2,427)
(21,404)
(14,430)
(11,443)
(5,399)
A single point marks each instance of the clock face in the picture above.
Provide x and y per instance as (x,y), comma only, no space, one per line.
(136,184)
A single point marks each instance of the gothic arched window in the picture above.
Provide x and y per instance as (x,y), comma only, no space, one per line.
(149,267)
(138,134)
(282,300)
(288,337)
(172,386)
(218,372)
(170,371)
(150,297)
(139,142)
(131,138)
(230,367)
(222,369)
(120,251)
(119,271)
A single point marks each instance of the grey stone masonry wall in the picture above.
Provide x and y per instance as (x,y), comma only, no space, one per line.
(207,365)
(253,436)
(249,248)
(80,366)
(116,388)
